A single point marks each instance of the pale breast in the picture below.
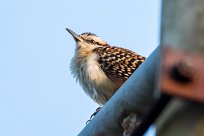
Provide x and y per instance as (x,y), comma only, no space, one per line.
(92,78)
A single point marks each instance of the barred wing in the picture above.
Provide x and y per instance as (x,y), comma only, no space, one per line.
(118,63)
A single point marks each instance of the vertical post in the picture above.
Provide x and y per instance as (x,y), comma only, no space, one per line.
(182,24)
(182,28)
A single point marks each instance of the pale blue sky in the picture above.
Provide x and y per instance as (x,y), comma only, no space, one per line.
(38,95)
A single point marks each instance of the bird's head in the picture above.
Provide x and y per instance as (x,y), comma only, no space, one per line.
(87,40)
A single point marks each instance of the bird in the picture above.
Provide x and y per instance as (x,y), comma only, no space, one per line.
(100,68)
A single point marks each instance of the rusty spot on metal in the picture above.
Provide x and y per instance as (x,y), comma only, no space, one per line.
(182,74)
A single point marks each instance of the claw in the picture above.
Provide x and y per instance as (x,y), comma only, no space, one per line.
(94,114)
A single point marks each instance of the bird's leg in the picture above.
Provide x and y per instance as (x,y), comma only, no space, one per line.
(94,114)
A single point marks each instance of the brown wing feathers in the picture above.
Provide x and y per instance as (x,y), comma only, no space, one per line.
(118,63)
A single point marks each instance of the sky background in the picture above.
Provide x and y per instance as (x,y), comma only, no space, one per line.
(38,95)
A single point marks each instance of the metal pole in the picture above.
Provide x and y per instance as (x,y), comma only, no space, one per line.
(182,24)
(183,29)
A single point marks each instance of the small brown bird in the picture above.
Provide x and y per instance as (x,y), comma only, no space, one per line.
(100,68)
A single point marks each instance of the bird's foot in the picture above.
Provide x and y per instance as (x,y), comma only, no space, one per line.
(94,114)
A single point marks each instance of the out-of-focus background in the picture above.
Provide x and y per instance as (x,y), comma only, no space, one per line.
(38,95)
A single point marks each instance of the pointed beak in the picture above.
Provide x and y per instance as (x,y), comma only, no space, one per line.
(75,36)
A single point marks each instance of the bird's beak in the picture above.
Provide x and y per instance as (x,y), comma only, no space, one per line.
(75,36)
